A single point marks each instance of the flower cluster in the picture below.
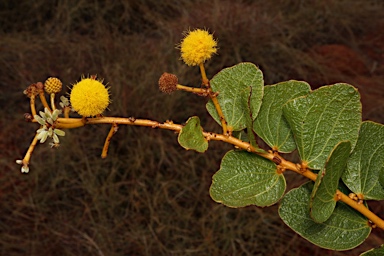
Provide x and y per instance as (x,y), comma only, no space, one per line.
(197,47)
(89,97)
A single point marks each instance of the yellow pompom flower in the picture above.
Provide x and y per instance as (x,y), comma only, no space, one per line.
(89,97)
(197,47)
(53,85)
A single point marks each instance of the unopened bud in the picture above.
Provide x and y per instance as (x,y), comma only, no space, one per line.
(28,117)
(53,85)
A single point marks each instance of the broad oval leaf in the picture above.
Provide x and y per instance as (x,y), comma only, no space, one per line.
(322,119)
(344,230)
(323,201)
(366,162)
(191,136)
(230,84)
(247,179)
(270,124)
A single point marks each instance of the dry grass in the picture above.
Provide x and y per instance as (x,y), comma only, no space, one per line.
(150,197)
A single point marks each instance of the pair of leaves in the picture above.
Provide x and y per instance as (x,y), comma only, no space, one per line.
(318,120)
(247,103)
(343,230)
(322,119)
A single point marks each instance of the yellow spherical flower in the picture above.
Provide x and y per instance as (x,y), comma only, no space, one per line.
(52,85)
(197,47)
(89,97)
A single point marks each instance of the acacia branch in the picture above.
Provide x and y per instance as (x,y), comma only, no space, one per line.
(169,125)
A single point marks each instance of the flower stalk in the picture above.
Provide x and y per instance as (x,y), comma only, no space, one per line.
(44,100)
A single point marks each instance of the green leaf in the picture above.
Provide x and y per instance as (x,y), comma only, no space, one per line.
(249,118)
(344,230)
(374,252)
(230,84)
(323,201)
(270,124)
(322,119)
(251,135)
(381,177)
(366,162)
(191,136)
(247,179)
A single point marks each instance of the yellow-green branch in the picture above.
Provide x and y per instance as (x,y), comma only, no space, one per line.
(169,125)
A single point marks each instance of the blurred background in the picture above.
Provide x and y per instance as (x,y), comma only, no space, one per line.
(149,196)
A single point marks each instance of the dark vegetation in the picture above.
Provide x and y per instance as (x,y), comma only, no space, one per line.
(149,196)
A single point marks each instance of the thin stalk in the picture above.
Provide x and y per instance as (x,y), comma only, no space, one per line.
(195,90)
(28,155)
(112,131)
(44,100)
(203,75)
(213,97)
(52,96)
(33,106)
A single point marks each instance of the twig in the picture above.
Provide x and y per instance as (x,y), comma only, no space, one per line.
(112,131)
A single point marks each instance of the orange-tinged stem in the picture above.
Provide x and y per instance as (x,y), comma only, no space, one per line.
(68,123)
(203,75)
(360,208)
(33,106)
(44,100)
(213,97)
(112,131)
(192,89)
(28,155)
(66,112)
(220,113)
